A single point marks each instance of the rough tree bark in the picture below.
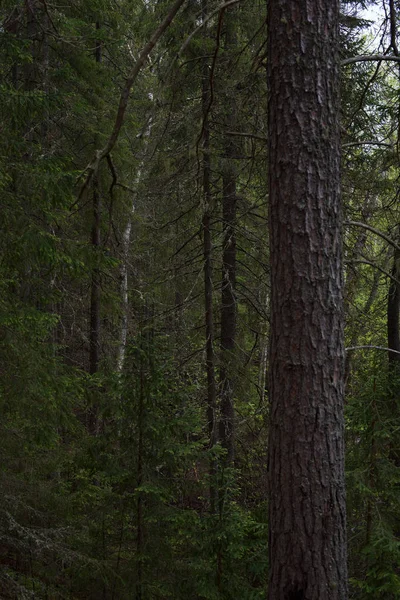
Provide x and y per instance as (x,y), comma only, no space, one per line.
(307,537)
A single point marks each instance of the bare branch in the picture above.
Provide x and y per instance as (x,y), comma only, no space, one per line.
(373,230)
(368,262)
(93,166)
(249,135)
(204,22)
(347,145)
(367,143)
(371,348)
(369,57)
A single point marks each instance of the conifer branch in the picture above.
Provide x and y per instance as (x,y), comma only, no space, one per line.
(376,231)
(93,166)
(371,348)
(369,57)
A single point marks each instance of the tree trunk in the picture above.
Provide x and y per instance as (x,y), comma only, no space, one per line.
(393,314)
(350,285)
(208,279)
(307,536)
(94,339)
(95,291)
(228,296)
(139,505)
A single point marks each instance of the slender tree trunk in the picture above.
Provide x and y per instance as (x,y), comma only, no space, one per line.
(393,331)
(371,470)
(126,237)
(208,277)
(139,505)
(95,291)
(32,31)
(393,308)
(393,316)
(356,335)
(352,280)
(307,535)
(228,296)
(124,271)
(264,347)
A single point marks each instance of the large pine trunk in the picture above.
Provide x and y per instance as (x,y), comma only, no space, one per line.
(307,541)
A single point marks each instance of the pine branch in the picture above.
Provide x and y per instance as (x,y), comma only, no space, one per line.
(373,230)
(371,348)
(369,57)
(93,166)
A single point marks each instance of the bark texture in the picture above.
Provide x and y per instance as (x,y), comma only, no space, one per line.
(307,540)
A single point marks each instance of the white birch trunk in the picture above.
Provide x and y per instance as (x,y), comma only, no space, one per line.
(126,240)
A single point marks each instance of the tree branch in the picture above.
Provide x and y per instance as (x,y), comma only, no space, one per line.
(369,57)
(93,166)
(249,135)
(371,347)
(347,145)
(204,22)
(368,262)
(367,143)
(376,231)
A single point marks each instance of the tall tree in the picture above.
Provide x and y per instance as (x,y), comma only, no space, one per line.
(307,538)
(228,288)
(207,254)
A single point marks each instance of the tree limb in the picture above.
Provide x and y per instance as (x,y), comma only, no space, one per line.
(376,231)
(93,166)
(249,135)
(371,347)
(368,262)
(367,143)
(369,57)
(204,22)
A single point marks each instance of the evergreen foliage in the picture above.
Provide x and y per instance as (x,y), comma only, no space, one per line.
(106,486)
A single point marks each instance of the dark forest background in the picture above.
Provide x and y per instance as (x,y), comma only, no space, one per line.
(134,301)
